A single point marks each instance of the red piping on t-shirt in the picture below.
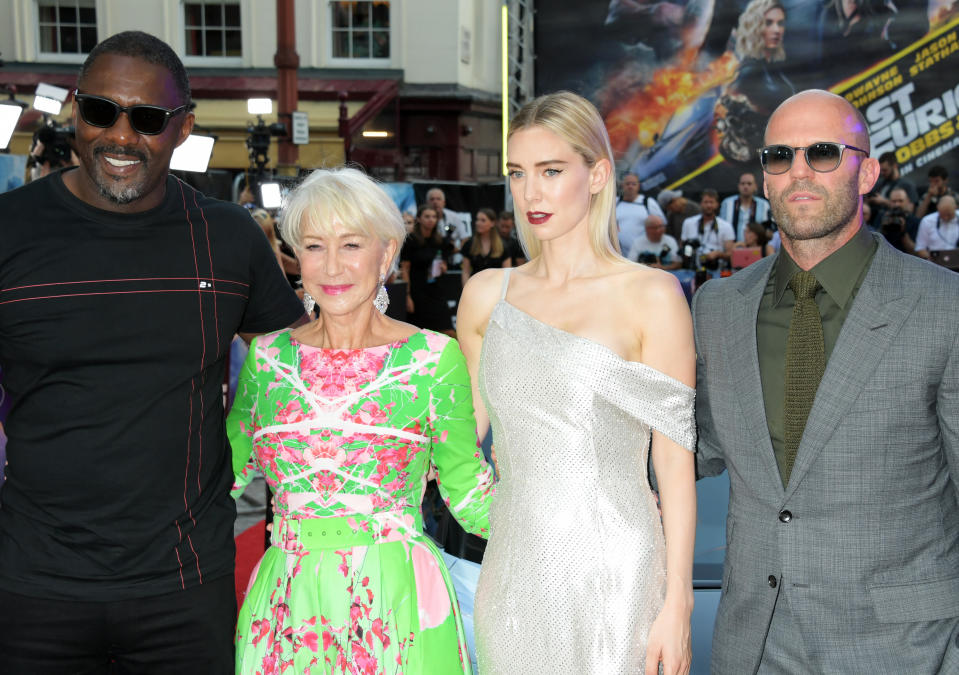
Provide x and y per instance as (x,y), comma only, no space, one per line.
(111,281)
(186,470)
(74,295)
(209,255)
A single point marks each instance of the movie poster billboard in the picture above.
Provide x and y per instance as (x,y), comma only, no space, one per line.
(686,86)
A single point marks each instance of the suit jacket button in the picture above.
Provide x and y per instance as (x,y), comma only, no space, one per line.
(785,516)
(772,581)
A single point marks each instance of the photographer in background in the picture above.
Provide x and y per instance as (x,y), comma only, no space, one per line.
(893,228)
(677,209)
(710,236)
(889,179)
(51,149)
(656,248)
(900,235)
(632,208)
(938,187)
(454,227)
(939,230)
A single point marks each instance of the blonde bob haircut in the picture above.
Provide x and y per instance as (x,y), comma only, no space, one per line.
(576,121)
(343,197)
(749,32)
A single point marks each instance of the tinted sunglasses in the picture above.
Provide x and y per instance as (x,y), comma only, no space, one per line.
(148,120)
(822,156)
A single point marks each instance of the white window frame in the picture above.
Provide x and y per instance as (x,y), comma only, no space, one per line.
(61,57)
(197,60)
(342,62)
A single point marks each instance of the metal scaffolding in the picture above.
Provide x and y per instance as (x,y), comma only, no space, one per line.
(520,53)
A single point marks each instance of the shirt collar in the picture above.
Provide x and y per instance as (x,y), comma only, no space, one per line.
(838,273)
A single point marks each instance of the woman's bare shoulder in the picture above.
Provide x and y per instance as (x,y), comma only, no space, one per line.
(486,283)
(480,295)
(640,283)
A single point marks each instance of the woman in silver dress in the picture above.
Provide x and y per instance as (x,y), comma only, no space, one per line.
(579,357)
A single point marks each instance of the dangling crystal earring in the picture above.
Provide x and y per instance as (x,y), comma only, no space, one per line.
(382,300)
(308,303)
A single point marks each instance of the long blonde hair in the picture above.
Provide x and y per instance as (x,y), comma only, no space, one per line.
(576,121)
(749,38)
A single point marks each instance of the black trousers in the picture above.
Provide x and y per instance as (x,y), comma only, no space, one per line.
(179,633)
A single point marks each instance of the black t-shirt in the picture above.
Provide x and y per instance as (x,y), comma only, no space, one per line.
(514,250)
(114,332)
(430,296)
(480,262)
(420,256)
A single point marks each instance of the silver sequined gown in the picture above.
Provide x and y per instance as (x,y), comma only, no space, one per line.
(574,573)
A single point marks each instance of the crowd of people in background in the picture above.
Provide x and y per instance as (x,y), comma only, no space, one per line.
(682,234)
(670,231)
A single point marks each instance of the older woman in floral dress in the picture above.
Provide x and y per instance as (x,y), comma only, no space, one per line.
(346,416)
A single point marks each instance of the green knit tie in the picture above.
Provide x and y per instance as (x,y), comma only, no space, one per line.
(805,365)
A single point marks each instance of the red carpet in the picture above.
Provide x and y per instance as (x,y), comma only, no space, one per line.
(249,549)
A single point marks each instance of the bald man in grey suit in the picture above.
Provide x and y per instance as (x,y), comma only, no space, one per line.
(842,555)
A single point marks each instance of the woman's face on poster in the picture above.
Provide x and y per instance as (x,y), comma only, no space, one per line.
(774,27)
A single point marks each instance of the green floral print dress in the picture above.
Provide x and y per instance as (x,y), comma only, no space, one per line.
(346,440)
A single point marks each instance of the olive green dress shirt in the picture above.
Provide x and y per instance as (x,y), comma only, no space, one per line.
(840,275)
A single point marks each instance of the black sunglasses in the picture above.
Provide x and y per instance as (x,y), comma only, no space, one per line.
(149,120)
(822,156)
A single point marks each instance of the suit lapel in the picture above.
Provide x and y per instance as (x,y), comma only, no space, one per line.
(875,318)
(743,354)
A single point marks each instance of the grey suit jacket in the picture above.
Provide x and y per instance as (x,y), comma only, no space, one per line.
(869,553)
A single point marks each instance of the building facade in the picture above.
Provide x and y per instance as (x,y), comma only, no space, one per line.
(410,89)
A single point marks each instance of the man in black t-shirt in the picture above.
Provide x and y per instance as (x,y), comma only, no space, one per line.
(121,288)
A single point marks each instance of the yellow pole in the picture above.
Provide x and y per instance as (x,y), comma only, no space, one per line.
(504,39)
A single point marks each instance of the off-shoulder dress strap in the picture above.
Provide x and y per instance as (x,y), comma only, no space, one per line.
(502,295)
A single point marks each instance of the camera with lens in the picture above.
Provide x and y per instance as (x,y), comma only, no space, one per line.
(55,143)
(647,258)
(650,258)
(893,221)
(690,247)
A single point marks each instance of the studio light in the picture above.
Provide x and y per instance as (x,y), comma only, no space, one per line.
(49,99)
(259,106)
(193,154)
(9,115)
(270,195)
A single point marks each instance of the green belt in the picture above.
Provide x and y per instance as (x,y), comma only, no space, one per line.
(314,533)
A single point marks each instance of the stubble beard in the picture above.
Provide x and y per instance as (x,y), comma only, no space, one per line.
(117,190)
(838,209)
(120,195)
